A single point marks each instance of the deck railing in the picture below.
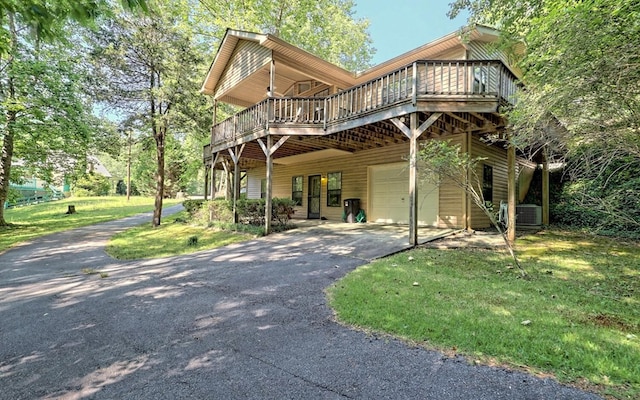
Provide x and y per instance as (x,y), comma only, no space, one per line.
(452,79)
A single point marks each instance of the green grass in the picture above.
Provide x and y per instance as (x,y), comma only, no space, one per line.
(582,301)
(33,221)
(171,238)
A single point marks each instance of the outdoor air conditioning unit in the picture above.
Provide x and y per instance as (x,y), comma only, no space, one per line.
(528,214)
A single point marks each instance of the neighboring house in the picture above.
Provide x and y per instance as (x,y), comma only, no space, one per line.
(321,135)
(36,190)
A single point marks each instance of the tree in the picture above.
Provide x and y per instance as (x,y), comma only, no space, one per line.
(445,162)
(326,28)
(47,19)
(581,69)
(150,70)
(47,121)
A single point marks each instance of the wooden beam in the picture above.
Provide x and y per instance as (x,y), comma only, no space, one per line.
(426,124)
(398,122)
(269,194)
(213,175)
(466,199)
(413,180)
(545,189)
(235,157)
(511,191)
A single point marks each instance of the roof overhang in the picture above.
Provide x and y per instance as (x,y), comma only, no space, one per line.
(292,64)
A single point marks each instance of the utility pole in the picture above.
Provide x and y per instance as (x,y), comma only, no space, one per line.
(129,169)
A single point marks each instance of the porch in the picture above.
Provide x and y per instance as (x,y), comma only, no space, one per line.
(366,241)
(468,93)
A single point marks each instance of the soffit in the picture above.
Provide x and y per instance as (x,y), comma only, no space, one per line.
(291,64)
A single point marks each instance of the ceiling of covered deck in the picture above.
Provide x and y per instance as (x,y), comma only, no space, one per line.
(380,134)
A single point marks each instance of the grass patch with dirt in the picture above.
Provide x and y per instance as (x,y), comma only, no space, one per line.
(174,237)
(577,318)
(38,220)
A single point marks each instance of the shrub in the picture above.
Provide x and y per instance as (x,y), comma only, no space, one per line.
(192,206)
(282,210)
(251,211)
(217,210)
(91,184)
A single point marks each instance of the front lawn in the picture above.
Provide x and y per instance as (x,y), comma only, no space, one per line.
(175,236)
(578,317)
(42,219)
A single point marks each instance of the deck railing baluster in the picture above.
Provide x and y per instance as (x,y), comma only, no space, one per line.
(489,78)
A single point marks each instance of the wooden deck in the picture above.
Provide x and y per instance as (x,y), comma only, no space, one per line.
(469,92)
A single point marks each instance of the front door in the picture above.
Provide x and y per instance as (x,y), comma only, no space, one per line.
(315,188)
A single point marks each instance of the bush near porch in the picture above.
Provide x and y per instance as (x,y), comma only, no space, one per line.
(250,211)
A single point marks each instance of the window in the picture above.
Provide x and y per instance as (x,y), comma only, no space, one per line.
(487,183)
(334,189)
(263,188)
(479,80)
(296,190)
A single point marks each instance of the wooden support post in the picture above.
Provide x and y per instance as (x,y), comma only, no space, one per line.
(206,181)
(227,172)
(545,190)
(413,132)
(212,177)
(269,194)
(511,191)
(269,149)
(468,144)
(235,157)
(413,181)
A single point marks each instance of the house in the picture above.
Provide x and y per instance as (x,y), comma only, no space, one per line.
(321,135)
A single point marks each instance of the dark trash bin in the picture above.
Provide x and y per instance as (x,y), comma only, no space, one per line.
(351,209)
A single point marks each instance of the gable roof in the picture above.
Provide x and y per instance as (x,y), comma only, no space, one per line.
(240,70)
(288,58)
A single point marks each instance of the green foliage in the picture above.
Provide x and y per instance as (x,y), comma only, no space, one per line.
(121,188)
(192,207)
(13,196)
(219,210)
(607,202)
(251,211)
(91,184)
(581,68)
(326,28)
(282,210)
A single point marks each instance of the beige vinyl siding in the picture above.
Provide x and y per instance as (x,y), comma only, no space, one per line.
(247,58)
(456,53)
(488,51)
(452,198)
(253,184)
(496,157)
(354,168)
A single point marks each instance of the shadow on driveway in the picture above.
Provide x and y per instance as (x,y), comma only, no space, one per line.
(245,321)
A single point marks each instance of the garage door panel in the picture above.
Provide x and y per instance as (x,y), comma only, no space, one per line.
(389,196)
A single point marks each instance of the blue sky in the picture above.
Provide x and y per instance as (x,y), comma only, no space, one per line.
(397,26)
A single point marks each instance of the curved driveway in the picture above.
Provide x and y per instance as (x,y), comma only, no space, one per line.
(244,321)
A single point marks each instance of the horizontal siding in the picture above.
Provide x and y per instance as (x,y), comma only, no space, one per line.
(488,51)
(354,170)
(451,213)
(247,58)
(497,158)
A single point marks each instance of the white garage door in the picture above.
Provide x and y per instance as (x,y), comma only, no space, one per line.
(389,196)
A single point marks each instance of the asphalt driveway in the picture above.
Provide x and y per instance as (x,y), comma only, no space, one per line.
(245,321)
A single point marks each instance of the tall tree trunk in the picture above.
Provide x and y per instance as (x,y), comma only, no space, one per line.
(159,132)
(11,116)
(5,163)
(159,136)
